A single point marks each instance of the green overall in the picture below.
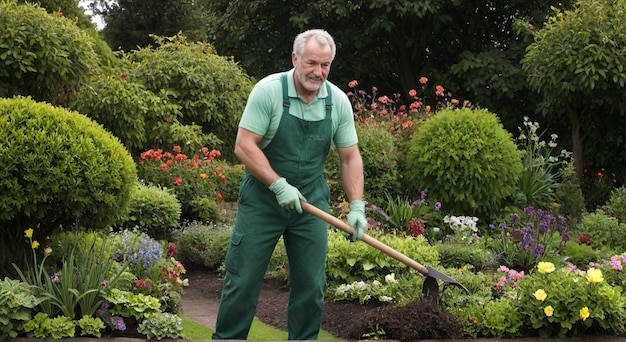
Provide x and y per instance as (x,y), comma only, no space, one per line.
(297,152)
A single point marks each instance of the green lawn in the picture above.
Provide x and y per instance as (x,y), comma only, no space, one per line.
(259,332)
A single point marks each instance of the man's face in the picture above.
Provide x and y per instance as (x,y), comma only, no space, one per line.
(313,67)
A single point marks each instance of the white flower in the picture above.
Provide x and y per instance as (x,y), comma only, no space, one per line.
(385,299)
(390,278)
(376,283)
(185,282)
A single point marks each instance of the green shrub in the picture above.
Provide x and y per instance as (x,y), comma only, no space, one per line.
(42,54)
(617,203)
(603,231)
(497,318)
(234,175)
(380,166)
(137,116)
(153,210)
(211,90)
(467,161)
(161,325)
(59,169)
(580,254)
(569,196)
(202,244)
(462,254)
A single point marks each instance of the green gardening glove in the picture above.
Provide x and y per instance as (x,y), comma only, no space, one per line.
(357,220)
(287,195)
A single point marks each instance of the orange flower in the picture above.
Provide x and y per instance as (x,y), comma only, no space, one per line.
(219,197)
(202,176)
(423,80)
(454,102)
(427,108)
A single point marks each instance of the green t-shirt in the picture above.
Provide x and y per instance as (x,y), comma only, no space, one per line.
(265,108)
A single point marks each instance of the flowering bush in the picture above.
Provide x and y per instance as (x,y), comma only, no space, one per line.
(463,227)
(568,302)
(194,180)
(398,291)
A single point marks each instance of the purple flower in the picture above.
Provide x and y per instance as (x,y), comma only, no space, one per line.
(565,237)
(437,206)
(529,210)
(514,218)
(538,250)
(119,323)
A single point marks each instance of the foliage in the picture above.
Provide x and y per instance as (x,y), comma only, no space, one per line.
(234,175)
(604,231)
(139,117)
(580,254)
(466,159)
(60,169)
(617,203)
(348,262)
(153,210)
(16,304)
(565,302)
(131,305)
(43,326)
(160,325)
(541,169)
(210,90)
(90,326)
(569,196)
(577,63)
(202,244)
(42,54)
(613,269)
(193,180)
(130,23)
(525,239)
(457,255)
(75,287)
(597,187)
(496,318)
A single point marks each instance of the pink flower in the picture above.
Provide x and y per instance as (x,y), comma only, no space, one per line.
(503,269)
(423,80)
(176,149)
(353,84)
(412,92)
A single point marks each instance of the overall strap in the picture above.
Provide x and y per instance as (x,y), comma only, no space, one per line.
(329,100)
(286,102)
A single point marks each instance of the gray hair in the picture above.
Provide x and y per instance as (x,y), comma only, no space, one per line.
(321,36)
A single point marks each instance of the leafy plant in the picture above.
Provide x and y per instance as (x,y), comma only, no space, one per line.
(153,210)
(42,326)
(466,159)
(90,326)
(202,244)
(160,325)
(604,231)
(16,305)
(130,305)
(617,203)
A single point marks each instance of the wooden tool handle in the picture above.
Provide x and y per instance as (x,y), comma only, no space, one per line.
(334,221)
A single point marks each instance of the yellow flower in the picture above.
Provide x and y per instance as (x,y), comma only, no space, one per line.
(548,310)
(584,313)
(594,275)
(47,250)
(202,176)
(34,244)
(545,267)
(29,233)
(540,295)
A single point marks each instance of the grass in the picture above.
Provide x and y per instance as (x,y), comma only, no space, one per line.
(259,331)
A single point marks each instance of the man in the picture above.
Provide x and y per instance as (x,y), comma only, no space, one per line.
(284,136)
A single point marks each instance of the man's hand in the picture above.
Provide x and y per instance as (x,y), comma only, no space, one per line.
(357,220)
(287,195)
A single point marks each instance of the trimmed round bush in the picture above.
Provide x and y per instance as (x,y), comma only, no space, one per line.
(154,210)
(466,160)
(59,168)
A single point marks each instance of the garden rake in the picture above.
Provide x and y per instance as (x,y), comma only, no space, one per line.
(431,285)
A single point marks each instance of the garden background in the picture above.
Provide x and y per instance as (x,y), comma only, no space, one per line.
(491,136)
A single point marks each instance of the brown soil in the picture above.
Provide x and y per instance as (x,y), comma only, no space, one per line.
(350,320)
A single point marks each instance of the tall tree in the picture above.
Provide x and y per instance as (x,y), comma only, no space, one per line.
(129,23)
(577,64)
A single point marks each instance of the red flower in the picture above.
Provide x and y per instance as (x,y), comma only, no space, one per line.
(353,84)
(219,197)
(178,181)
(176,149)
